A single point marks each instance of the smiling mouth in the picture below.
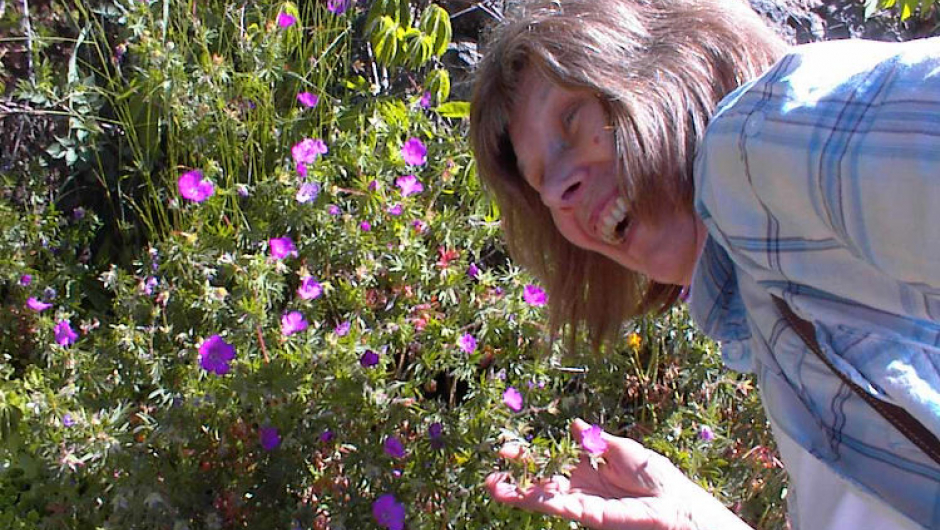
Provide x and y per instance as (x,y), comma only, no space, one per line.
(614,222)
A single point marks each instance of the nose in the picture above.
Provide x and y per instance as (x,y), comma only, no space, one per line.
(563,188)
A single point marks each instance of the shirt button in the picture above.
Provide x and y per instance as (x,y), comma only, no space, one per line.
(754,124)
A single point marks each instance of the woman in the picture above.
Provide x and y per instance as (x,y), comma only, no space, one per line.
(597,127)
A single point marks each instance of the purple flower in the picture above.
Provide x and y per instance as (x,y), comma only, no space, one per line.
(308,192)
(307,99)
(414,152)
(309,288)
(512,399)
(192,186)
(373,185)
(473,271)
(435,433)
(282,247)
(337,7)
(409,185)
(286,20)
(533,295)
(394,210)
(149,285)
(293,322)
(425,100)
(388,512)
(419,225)
(369,359)
(306,151)
(215,354)
(64,334)
(242,190)
(342,329)
(68,420)
(270,438)
(706,434)
(365,226)
(333,210)
(34,304)
(326,436)
(25,280)
(467,343)
(393,447)
(78,213)
(592,440)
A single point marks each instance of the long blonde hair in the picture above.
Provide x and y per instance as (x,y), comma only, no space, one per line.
(660,67)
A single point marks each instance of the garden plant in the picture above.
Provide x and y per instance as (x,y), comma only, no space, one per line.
(249,279)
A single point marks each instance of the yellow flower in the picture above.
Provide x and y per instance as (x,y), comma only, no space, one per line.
(634,341)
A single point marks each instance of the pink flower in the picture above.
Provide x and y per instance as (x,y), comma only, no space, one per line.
(414,152)
(393,447)
(425,100)
(34,304)
(534,296)
(512,399)
(467,343)
(309,288)
(365,226)
(293,322)
(282,247)
(592,440)
(307,99)
(269,438)
(409,185)
(388,512)
(26,279)
(308,192)
(395,210)
(337,7)
(192,186)
(306,151)
(215,354)
(64,335)
(333,210)
(286,20)
(342,328)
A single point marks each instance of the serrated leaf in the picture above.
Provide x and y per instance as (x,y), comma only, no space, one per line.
(454,109)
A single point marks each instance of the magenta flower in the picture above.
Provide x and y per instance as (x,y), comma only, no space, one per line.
(365,226)
(308,192)
(333,210)
(286,20)
(473,271)
(282,247)
(414,152)
(419,225)
(467,343)
(326,436)
(192,186)
(64,334)
(409,185)
(706,434)
(215,354)
(425,100)
(293,322)
(592,440)
(534,296)
(25,280)
(337,7)
(307,150)
(309,288)
(512,399)
(342,329)
(34,304)
(393,447)
(395,210)
(269,438)
(373,185)
(307,99)
(369,359)
(388,512)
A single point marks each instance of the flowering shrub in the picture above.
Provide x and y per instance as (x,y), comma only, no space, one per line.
(285,302)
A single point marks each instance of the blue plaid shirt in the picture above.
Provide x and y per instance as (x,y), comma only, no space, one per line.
(819,183)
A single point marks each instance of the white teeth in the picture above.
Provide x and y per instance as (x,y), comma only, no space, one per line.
(609,219)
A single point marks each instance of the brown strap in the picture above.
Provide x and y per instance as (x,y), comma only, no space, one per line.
(900,418)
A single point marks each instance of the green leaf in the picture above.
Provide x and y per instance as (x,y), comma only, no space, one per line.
(435,22)
(438,83)
(454,109)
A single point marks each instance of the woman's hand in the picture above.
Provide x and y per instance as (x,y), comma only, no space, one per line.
(634,489)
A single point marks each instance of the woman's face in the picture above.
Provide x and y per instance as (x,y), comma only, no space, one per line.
(565,151)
